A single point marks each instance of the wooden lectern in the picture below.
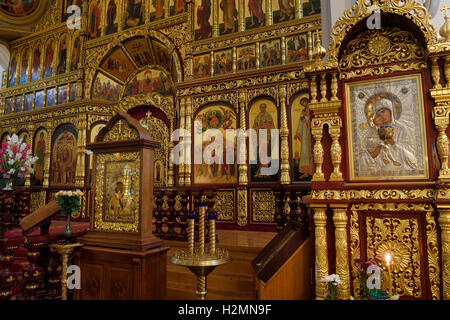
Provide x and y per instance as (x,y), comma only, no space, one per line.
(121,258)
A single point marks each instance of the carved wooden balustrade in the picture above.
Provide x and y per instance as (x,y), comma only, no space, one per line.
(290,205)
(29,269)
(171,208)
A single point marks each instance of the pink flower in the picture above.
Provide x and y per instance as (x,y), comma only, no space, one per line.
(1,160)
(1,170)
(4,145)
(6,176)
(15,149)
(20,175)
(24,155)
(27,147)
(1,152)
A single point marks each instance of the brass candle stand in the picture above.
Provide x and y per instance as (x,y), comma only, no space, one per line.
(199,261)
(65,250)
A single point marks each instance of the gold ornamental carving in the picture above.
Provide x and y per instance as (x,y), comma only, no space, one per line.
(242,207)
(321,249)
(382,70)
(383,194)
(224,205)
(263,205)
(410,9)
(399,237)
(199,102)
(341,243)
(444,224)
(433,255)
(355,250)
(375,47)
(121,132)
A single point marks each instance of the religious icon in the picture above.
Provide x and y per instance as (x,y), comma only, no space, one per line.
(140,52)
(64,156)
(24,68)
(302,163)
(18,103)
(161,54)
(283,10)
(121,187)
(95,17)
(18,8)
(246,58)
(158,172)
(150,81)
(118,64)
(51,97)
(262,115)
(28,102)
(270,53)
(202,66)
(8,105)
(203,19)
(387,138)
(221,118)
(229,16)
(40,138)
(49,57)
(62,55)
(39,103)
(256,14)
(157,11)
(62,95)
(69,3)
(311,7)
(12,75)
(133,13)
(111,17)
(223,62)
(179,6)
(73,91)
(76,51)
(105,88)
(36,67)
(296,48)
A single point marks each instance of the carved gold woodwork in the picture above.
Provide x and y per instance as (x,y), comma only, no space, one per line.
(182,165)
(224,205)
(284,134)
(188,124)
(243,168)
(410,9)
(444,224)
(341,243)
(380,194)
(321,249)
(263,206)
(242,207)
(387,234)
(121,131)
(37,200)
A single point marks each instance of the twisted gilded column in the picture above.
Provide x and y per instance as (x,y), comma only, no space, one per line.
(47,159)
(241,23)
(269,13)
(321,250)
(298,9)
(284,134)
(182,140)
(441,121)
(243,168)
(341,243)
(189,60)
(188,140)
(215,17)
(444,223)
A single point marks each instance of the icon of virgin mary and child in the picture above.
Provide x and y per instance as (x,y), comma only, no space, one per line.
(389,143)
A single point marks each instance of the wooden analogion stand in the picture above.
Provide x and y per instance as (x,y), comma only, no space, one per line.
(121,258)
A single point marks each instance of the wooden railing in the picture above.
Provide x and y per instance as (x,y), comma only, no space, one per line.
(29,269)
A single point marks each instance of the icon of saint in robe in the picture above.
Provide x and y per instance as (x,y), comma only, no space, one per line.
(203,15)
(256,11)
(230,15)
(303,134)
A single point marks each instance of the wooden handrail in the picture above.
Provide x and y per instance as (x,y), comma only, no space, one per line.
(39,215)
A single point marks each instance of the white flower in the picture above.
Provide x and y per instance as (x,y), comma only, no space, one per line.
(78,193)
(334,279)
(10,153)
(70,193)
(11,161)
(89,152)
(18,156)
(14,139)
(22,147)
(11,171)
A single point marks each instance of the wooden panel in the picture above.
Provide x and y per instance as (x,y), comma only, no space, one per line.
(91,283)
(292,281)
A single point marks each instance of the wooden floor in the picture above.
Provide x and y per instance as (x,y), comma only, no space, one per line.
(234,280)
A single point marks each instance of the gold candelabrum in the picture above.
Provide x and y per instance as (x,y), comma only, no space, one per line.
(65,250)
(201,260)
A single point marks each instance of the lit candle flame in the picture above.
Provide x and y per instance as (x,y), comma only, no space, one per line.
(388,258)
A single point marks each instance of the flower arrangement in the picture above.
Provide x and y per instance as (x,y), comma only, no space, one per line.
(362,266)
(333,281)
(69,201)
(15,159)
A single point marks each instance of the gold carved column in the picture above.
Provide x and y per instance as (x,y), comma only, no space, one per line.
(336,150)
(170,178)
(48,151)
(243,168)
(181,166)
(341,243)
(189,60)
(215,17)
(269,13)
(284,134)
(321,249)
(317,132)
(298,9)
(241,24)
(444,223)
(187,157)
(81,150)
